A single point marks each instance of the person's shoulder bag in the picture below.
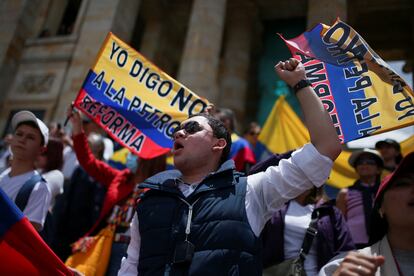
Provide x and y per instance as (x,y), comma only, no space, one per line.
(295,266)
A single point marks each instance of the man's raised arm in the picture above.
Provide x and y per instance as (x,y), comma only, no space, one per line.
(321,130)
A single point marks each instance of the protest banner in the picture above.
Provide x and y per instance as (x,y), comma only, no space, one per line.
(134,101)
(362,94)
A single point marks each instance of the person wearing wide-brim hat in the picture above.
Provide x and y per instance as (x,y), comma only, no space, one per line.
(356,202)
(392,224)
(370,153)
(390,151)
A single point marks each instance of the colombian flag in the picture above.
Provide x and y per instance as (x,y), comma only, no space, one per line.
(241,152)
(22,250)
(118,159)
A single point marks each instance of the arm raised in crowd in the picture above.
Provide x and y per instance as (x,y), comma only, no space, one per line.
(96,168)
(75,120)
(308,166)
(321,130)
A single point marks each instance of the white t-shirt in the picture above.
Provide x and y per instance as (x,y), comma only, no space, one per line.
(297,221)
(108,148)
(54,180)
(39,200)
(70,162)
(266,193)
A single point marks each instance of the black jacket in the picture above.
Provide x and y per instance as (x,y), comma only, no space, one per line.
(224,243)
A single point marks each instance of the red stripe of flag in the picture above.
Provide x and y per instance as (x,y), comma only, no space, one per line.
(22,250)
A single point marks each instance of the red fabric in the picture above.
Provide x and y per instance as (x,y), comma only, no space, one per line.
(405,166)
(241,153)
(23,252)
(243,157)
(119,183)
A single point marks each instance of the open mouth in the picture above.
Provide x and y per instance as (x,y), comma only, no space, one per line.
(177,146)
(20,147)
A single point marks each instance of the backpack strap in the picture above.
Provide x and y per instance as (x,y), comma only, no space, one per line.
(24,193)
(310,235)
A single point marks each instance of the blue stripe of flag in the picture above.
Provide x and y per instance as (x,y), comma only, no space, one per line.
(133,117)
(9,213)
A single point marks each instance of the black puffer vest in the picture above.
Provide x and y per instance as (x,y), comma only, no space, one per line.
(224,243)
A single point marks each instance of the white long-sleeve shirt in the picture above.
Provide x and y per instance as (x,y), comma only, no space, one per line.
(266,192)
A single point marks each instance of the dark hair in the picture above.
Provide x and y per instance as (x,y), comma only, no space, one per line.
(315,195)
(250,127)
(33,125)
(226,113)
(219,131)
(54,155)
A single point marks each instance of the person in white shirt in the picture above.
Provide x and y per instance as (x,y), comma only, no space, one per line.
(29,140)
(205,218)
(49,165)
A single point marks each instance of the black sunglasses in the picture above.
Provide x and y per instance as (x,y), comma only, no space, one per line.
(190,127)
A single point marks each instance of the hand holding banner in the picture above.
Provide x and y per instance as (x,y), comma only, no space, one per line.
(363,95)
(134,101)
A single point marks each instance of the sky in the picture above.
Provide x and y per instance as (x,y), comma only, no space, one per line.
(399,134)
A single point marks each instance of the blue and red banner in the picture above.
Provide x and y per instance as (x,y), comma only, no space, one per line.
(362,94)
(134,101)
(22,250)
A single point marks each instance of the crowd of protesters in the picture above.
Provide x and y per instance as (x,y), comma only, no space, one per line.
(249,214)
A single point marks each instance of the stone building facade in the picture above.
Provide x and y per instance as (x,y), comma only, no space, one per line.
(211,46)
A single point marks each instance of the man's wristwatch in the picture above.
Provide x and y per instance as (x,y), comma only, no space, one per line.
(301,84)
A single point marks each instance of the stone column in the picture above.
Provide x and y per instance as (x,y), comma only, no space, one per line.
(101,17)
(326,11)
(10,13)
(125,17)
(153,14)
(234,74)
(18,21)
(199,63)
(151,38)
